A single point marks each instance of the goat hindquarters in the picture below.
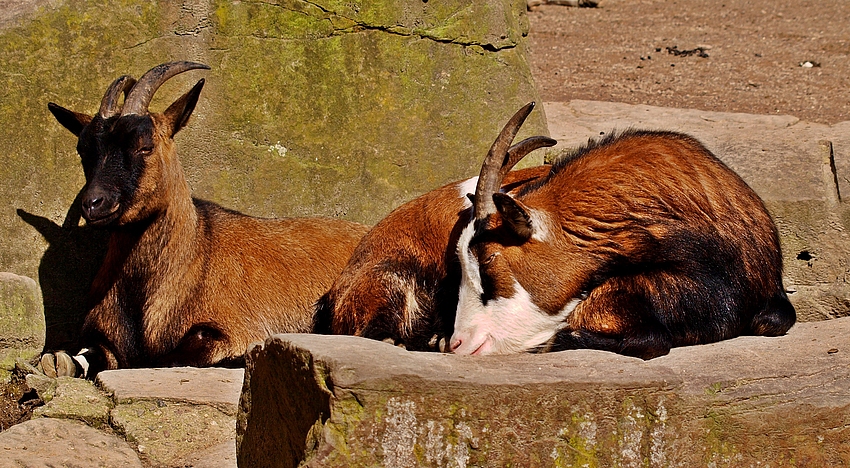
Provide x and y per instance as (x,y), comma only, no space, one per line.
(702,297)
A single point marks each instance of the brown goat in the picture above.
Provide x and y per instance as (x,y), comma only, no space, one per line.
(185,281)
(636,243)
(401,283)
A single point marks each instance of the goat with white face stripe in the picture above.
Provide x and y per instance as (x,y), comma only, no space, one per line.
(633,244)
(401,282)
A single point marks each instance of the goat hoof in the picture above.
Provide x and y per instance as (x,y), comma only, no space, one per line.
(65,366)
(47,365)
(432,343)
(57,365)
(438,343)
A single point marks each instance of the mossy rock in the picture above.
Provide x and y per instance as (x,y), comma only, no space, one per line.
(21,321)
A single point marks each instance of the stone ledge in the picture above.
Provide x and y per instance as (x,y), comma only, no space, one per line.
(215,387)
(364,403)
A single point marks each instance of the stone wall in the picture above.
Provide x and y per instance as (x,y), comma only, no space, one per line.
(311,108)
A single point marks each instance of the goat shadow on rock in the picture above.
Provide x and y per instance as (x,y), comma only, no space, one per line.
(65,272)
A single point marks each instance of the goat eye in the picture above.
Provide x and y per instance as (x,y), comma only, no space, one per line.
(145,150)
(489,259)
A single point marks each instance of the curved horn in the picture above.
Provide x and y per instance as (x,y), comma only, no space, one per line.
(140,96)
(490,178)
(519,150)
(109,103)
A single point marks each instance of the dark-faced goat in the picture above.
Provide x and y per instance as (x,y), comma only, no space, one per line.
(401,283)
(185,281)
(635,243)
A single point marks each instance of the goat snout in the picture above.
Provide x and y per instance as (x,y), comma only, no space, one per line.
(99,207)
(471,344)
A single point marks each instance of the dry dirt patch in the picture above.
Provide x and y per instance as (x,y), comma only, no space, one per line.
(754,54)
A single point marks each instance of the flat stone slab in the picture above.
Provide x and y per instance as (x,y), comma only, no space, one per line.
(183,416)
(218,456)
(77,399)
(55,442)
(166,432)
(215,387)
(347,401)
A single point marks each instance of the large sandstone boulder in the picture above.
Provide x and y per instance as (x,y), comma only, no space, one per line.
(333,401)
(21,320)
(311,108)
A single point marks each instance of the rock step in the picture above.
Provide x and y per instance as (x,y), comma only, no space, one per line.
(346,401)
(135,417)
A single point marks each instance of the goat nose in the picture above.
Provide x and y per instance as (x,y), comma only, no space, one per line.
(455,344)
(97,204)
(93,203)
(92,206)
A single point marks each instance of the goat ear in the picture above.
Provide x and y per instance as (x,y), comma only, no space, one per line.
(73,121)
(515,215)
(177,114)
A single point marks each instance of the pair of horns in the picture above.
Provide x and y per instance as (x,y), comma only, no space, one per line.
(138,95)
(502,158)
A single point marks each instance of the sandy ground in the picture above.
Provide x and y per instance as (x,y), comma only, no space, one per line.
(751,60)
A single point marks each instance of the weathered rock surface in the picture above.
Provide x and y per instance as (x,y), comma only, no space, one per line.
(800,169)
(178,416)
(55,442)
(215,387)
(346,401)
(170,417)
(311,108)
(21,321)
(77,399)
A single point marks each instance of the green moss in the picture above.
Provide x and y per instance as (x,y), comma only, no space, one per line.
(713,389)
(347,412)
(285,20)
(359,117)
(574,446)
(717,440)
(77,399)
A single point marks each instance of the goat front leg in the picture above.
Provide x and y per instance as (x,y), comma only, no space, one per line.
(616,317)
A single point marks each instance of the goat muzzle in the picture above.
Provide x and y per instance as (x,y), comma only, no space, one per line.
(99,206)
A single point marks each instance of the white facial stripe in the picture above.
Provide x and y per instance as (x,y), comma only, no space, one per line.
(520,324)
(506,324)
(469,264)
